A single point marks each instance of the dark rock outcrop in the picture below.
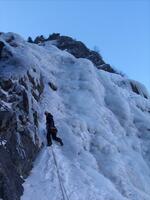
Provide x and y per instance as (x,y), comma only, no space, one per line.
(19,143)
(39,39)
(1,47)
(5,53)
(10,181)
(137,90)
(6,84)
(30,40)
(52,86)
(76,48)
(107,68)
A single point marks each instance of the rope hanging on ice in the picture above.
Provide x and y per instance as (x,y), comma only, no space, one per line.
(63,190)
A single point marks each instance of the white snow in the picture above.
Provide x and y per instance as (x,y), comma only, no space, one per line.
(105,128)
(3,142)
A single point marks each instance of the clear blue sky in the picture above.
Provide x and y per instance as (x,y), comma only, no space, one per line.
(120,28)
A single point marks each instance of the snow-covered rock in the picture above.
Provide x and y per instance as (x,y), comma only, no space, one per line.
(104,124)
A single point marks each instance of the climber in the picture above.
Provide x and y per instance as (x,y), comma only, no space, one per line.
(51,130)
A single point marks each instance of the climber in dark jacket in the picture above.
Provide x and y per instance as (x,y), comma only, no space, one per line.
(51,130)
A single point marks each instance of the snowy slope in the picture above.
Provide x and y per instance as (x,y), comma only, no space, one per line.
(105,128)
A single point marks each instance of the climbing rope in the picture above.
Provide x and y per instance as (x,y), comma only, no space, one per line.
(63,190)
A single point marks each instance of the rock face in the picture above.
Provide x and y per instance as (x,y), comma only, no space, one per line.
(10,181)
(1,47)
(18,140)
(76,48)
(19,143)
